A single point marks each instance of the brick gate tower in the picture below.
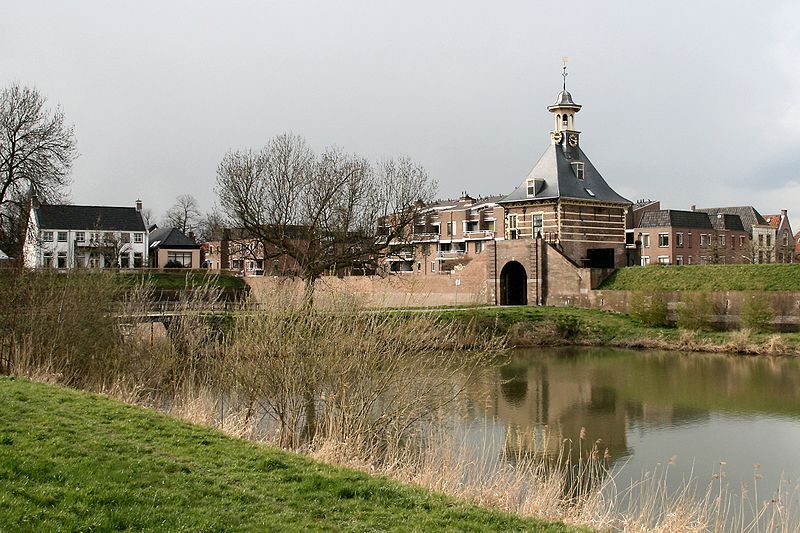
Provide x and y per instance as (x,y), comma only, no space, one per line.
(563,216)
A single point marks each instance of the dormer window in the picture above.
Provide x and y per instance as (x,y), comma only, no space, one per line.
(589,191)
(577,168)
(531,186)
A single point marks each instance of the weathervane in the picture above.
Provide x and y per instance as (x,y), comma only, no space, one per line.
(564,70)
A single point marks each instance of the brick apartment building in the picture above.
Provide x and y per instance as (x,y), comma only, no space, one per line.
(447,234)
(782,251)
(676,237)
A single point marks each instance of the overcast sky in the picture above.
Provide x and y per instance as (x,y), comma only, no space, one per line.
(687,102)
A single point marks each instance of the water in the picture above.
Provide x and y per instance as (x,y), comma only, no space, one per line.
(693,411)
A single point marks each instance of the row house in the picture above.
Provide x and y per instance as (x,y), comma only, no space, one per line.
(676,237)
(761,235)
(783,251)
(72,236)
(446,234)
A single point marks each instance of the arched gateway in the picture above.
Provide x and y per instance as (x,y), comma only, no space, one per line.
(513,284)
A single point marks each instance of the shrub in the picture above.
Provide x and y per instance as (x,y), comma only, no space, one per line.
(567,326)
(649,309)
(756,313)
(695,311)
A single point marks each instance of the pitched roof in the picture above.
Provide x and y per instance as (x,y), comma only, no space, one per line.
(555,178)
(171,238)
(726,221)
(89,217)
(677,219)
(747,213)
(773,220)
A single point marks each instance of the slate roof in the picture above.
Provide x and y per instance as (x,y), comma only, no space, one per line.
(89,217)
(171,238)
(747,214)
(677,219)
(726,221)
(557,180)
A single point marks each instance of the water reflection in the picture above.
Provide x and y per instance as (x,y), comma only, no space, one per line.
(647,407)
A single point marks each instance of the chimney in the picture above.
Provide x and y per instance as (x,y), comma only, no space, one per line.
(692,207)
(191,236)
(783,213)
(139,205)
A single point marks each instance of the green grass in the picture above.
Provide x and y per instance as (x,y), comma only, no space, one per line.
(75,461)
(772,277)
(591,327)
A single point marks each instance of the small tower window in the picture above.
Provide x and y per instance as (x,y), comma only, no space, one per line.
(531,188)
(577,168)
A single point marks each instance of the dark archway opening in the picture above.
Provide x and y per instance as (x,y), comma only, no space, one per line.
(513,284)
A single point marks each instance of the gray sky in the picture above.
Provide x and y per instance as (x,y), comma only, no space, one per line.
(684,101)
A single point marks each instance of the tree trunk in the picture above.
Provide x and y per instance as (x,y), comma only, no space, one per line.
(308,294)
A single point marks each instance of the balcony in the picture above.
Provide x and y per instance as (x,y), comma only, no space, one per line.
(425,237)
(450,254)
(479,234)
(400,256)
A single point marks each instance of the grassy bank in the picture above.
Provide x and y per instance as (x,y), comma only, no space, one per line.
(76,461)
(554,326)
(771,277)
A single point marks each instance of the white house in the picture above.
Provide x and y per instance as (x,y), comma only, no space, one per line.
(69,236)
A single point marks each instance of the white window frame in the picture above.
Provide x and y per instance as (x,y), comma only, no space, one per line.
(530,188)
(678,259)
(80,236)
(578,170)
(679,239)
(64,234)
(663,259)
(665,238)
(47,236)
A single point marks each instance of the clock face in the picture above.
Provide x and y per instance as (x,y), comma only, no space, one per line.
(573,140)
(556,136)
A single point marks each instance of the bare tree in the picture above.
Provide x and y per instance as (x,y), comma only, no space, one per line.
(184,215)
(37,148)
(211,227)
(324,212)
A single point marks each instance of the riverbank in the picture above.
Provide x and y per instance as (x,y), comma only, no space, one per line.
(527,326)
(72,460)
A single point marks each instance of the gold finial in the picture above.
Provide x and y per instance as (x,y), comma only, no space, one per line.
(564,61)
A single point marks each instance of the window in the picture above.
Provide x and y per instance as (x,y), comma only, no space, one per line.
(722,241)
(184,258)
(125,261)
(761,240)
(61,259)
(577,168)
(433,266)
(678,259)
(137,260)
(741,241)
(538,221)
(663,259)
(47,236)
(478,247)
(689,236)
(531,185)
(589,191)
(645,260)
(139,237)
(785,239)
(769,240)
(689,260)
(663,240)
(646,240)
(449,228)
(125,237)
(703,240)
(513,233)
(62,236)
(47,259)
(108,237)
(679,240)
(80,236)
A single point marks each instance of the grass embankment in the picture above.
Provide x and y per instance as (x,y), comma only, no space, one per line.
(76,461)
(771,277)
(181,280)
(556,326)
